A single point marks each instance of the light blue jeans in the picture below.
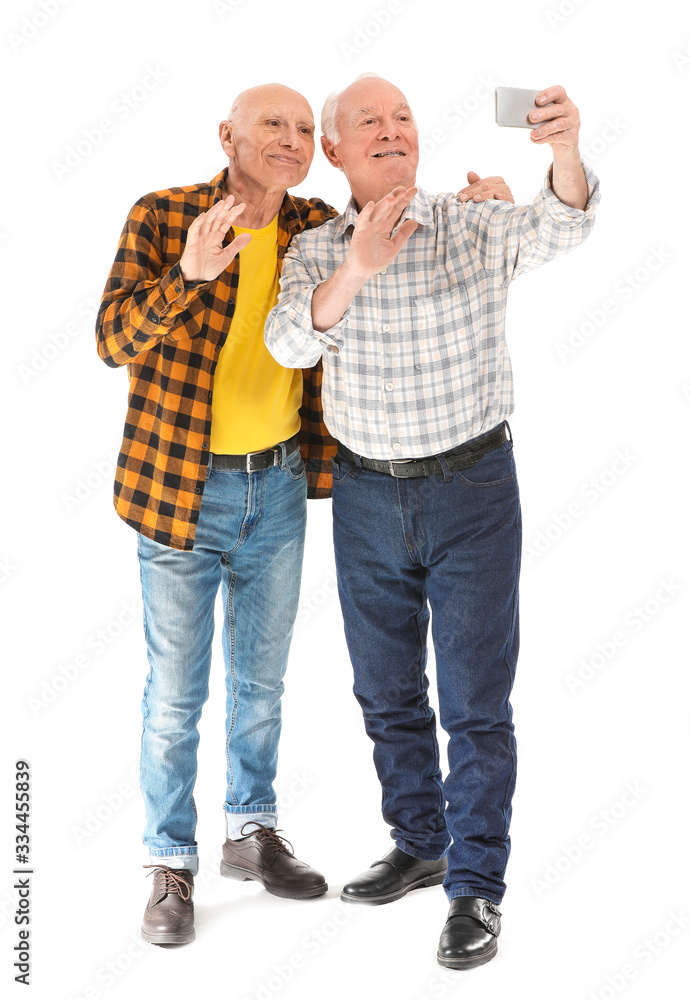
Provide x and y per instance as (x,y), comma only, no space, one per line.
(250,540)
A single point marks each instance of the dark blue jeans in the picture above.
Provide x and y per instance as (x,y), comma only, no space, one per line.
(451,542)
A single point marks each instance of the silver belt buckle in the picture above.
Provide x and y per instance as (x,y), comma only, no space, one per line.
(397,461)
(250,454)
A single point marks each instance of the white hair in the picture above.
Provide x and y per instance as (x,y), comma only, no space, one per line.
(330,110)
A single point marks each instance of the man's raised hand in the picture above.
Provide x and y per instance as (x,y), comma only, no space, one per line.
(372,247)
(204,256)
(482,189)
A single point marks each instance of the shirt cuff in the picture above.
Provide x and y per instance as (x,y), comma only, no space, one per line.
(565,213)
(299,315)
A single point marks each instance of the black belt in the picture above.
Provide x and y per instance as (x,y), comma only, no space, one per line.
(253,461)
(463,457)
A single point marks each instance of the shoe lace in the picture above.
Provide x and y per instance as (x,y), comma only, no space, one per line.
(172,881)
(269,838)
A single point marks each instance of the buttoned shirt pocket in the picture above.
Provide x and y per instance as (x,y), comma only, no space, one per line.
(444,337)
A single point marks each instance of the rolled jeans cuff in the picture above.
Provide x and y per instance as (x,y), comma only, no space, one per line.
(237,816)
(176,857)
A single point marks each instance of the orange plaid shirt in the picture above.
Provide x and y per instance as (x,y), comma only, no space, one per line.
(169,333)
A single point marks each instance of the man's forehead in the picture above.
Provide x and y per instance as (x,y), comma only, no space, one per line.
(373,107)
(290,109)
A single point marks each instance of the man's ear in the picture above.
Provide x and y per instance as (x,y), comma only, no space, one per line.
(330,153)
(226,138)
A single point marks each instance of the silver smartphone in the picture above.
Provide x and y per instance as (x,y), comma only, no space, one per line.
(513,105)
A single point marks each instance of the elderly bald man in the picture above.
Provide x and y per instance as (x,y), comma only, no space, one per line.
(404,298)
(222,446)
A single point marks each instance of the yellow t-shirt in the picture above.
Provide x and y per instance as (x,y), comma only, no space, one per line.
(255,400)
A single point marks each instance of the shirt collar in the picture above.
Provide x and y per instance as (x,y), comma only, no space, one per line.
(419,209)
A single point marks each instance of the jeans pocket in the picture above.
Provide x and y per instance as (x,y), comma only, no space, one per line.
(341,468)
(294,465)
(494,468)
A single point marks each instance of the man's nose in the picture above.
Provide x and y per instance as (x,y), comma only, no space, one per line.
(290,137)
(389,130)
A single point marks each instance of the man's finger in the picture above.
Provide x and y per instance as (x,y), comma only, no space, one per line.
(403,234)
(231,251)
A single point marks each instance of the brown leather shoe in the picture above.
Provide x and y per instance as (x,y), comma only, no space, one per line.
(169,916)
(264,857)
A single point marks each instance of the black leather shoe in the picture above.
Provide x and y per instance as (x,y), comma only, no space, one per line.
(392,877)
(169,916)
(470,935)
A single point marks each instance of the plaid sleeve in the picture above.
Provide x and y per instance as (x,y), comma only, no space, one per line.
(289,334)
(513,239)
(145,298)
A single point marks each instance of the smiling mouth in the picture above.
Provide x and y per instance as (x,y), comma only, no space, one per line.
(397,152)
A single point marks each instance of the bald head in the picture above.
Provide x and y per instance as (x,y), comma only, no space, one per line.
(249,101)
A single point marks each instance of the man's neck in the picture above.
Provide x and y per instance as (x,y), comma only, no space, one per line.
(261,205)
(363,197)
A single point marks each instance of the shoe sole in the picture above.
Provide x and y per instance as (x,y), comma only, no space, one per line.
(466,963)
(168,938)
(398,894)
(242,875)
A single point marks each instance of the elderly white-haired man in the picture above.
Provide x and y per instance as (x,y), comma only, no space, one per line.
(221,448)
(404,298)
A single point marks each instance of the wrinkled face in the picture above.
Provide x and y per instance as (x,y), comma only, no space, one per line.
(379,147)
(269,139)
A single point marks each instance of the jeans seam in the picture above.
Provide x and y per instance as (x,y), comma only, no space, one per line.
(511,674)
(231,667)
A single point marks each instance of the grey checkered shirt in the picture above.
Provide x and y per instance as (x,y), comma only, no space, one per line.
(419,363)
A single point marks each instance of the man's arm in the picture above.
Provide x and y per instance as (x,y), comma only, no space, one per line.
(310,315)
(144,298)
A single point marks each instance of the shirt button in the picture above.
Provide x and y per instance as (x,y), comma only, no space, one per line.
(384,270)
(177,288)
(389,386)
(397,446)
(210,396)
(197,490)
(385,328)
(217,347)
(205,444)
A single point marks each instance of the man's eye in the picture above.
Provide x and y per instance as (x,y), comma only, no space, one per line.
(274,122)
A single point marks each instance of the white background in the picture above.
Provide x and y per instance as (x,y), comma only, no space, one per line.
(574,927)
